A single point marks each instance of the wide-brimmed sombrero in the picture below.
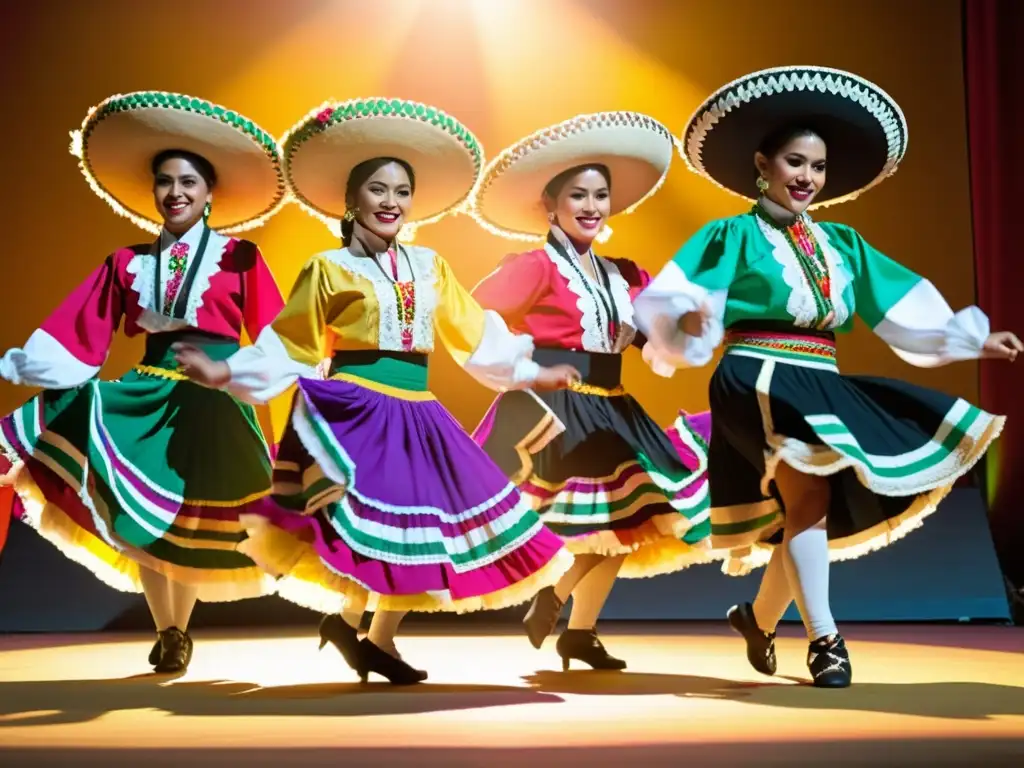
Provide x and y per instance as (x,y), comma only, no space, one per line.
(637,150)
(120,137)
(863,127)
(321,150)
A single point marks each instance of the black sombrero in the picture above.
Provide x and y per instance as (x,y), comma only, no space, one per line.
(863,127)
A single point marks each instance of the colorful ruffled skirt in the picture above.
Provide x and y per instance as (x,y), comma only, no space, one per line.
(600,472)
(891,450)
(381,496)
(148,471)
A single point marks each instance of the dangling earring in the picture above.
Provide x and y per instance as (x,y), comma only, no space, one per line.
(350,214)
(207,210)
(762,184)
(552,218)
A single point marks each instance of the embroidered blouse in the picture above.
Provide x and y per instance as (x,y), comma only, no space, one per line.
(231,288)
(343,300)
(758,266)
(548,295)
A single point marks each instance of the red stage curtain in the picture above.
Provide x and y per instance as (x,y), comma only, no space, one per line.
(6,504)
(994,68)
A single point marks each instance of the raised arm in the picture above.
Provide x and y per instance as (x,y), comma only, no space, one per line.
(905,309)
(71,345)
(289,347)
(694,284)
(478,339)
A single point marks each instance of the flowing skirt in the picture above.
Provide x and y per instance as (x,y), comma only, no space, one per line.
(381,496)
(601,473)
(150,470)
(891,450)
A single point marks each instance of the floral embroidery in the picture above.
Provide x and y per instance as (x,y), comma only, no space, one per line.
(176,265)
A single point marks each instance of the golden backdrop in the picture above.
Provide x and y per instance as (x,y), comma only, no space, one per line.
(505,68)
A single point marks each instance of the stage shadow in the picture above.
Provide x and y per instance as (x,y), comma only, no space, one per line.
(947,700)
(61,702)
(593,683)
(951,701)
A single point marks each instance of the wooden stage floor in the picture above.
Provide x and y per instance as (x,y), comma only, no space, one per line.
(946,695)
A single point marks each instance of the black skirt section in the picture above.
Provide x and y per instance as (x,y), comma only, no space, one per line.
(601,473)
(890,450)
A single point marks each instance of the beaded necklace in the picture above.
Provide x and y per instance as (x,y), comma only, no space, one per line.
(602,297)
(405,292)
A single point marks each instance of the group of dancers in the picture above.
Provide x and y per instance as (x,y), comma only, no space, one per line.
(375,498)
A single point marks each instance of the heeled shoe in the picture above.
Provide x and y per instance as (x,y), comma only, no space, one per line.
(396,671)
(829,662)
(336,631)
(175,651)
(543,615)
(584,645)
(760,645)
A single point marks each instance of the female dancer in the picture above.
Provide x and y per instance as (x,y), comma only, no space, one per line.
(806,463)
(625,496)
(381,500)
(141,479)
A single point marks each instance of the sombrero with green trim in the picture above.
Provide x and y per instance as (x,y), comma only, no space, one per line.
(636,148)
(323,148)
(120,137)
(863,128)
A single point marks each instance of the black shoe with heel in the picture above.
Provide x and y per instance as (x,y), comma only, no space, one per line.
(378,661)
(829,662)
(543,615)
(175,652)
(760,645)
(584,645)
(336,631)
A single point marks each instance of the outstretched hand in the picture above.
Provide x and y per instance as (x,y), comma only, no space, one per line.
(692,323)
(556,377)
(1002,345)
(197,365)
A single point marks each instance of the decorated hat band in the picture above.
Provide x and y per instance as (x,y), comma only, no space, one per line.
(864,129)
(121,136)
(636,149)
(322,149)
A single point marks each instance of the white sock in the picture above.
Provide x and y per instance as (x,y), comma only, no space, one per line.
(805,557)
(774,595)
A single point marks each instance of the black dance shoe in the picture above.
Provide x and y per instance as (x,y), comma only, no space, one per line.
(829,662)
(336,631)
(154,653)
(584,645)
(760,645)
(543,615)
(396,671)
(175,651)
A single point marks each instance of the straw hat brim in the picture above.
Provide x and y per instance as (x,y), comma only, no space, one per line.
(636,149)
(323,149)
(120,138)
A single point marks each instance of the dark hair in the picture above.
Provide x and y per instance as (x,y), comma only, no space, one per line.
(357,177)
(558,183)
(203,166)
(780,137)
